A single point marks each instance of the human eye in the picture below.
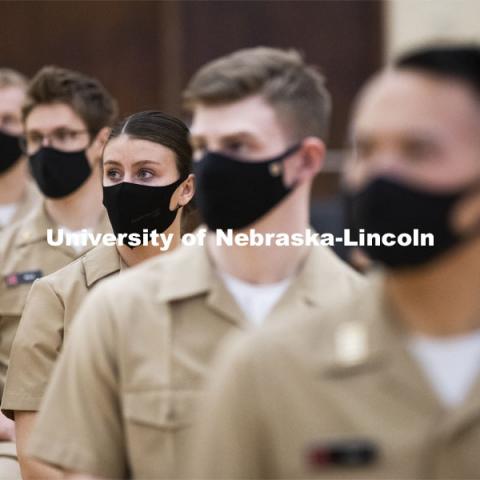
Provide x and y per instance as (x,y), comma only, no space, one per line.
(145,174)
(8,121)
(113,174)
(199,149)
(62,135)
(363,149)
(418,150)
(33,141)
(237,147)
(34,138)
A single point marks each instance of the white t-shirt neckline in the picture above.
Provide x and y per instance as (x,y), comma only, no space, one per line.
(7,212)
(255,300)
(451,364)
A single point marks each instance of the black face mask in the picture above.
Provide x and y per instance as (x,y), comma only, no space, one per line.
(233,193)
(132,208)
(389,206)
(57,173)
(10,151)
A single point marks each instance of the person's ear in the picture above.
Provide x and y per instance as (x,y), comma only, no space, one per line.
(185,192)
(95,150)
(306,163)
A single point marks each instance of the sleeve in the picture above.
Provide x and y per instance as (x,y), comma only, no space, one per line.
(226,441)
(79,426)
(8,322)
(35,349)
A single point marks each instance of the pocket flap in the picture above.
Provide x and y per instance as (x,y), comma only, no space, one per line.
(160,408)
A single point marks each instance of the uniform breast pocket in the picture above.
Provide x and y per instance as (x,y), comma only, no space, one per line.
(157,423)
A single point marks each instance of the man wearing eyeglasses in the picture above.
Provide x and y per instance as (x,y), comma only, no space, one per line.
(17,193)
(65,119)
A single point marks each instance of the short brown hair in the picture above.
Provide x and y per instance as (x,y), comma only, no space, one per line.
(294,89)
(12,78)
(85,95)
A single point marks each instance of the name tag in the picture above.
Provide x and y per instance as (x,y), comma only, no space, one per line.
(21,278)
(343,453)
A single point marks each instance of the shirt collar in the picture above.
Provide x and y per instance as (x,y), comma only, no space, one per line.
(101,262)
(34,227)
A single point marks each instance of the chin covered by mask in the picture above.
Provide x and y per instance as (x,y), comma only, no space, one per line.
(10,151)
(132,207)
(386,205)
(58,173)
(233,193)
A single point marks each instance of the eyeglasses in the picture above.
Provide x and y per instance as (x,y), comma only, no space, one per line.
(61,139)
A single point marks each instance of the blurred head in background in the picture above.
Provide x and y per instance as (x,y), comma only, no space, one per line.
(416,154)
(66,118)
(12,95)
(260,119)
(17,194)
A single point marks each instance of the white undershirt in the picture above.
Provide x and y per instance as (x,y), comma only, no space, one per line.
(256,300)
(7,212)
(452,364)
(77,237)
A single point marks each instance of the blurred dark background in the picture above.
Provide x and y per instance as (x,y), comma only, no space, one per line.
(145,51)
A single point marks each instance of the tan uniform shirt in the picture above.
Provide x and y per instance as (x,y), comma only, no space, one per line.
(49,310)
(336,397)
(25,256)
(122,396)
(30,199)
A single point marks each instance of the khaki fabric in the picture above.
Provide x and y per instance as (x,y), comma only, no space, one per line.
(24,249)
(280,403)
(9,467)
(30,200)
(122,397)
(49,311)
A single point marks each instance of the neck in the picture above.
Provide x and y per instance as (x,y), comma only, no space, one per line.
(13,183)
(134,256)
(81,209)
(263,264)
(441,299)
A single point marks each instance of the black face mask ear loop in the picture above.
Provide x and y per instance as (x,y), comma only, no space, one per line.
(277,166)
(178,207)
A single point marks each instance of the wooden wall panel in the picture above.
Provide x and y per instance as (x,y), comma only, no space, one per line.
(116,41)
(145,52)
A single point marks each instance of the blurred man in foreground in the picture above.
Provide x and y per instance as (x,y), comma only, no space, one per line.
(388,384)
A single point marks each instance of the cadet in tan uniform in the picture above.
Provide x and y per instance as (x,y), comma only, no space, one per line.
(65,120)
(122,397)
(17,193)
(147,164)
(388,384)
(17,198)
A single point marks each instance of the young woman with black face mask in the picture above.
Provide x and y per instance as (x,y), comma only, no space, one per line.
(147,184)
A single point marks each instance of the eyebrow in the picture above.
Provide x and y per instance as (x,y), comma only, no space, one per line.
(56,129)
(237,136)
(240,135)
(138,162)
